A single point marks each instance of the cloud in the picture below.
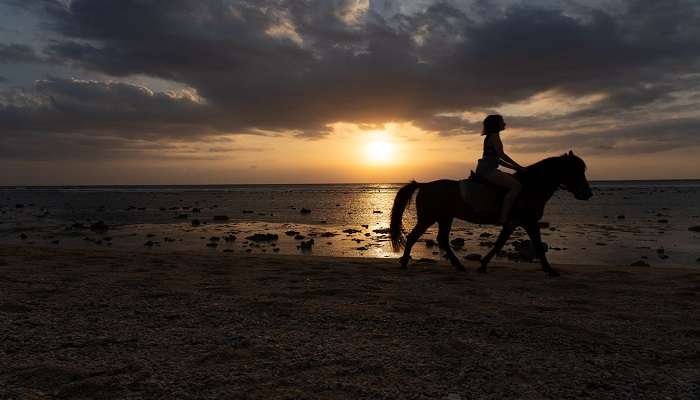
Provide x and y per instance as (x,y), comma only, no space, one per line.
(292,66)
(18,54)
(102,108)
(636,138)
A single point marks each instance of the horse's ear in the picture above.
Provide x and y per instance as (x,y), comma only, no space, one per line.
(571,153)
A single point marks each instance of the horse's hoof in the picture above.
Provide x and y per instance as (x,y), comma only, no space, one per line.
(481,270)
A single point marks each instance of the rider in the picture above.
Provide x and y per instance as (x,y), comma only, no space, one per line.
(487,168)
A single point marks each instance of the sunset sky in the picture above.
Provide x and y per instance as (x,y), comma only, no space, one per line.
(320,91)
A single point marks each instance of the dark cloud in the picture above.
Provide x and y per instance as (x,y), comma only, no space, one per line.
(102,108)
(3,79)
(18,54)
(635,138)
(292,65)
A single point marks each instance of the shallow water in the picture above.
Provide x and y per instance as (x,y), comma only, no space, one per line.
(623,222)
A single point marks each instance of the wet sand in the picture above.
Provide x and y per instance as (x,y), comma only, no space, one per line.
(110,323)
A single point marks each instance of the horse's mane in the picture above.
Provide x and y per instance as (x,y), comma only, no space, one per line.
(547,170)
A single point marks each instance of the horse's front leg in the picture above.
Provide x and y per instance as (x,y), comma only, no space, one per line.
(500,242)
(444,226)
(533,230)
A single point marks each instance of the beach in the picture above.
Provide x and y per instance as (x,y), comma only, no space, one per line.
(113,323)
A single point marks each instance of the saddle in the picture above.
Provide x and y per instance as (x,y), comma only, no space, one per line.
(482,199)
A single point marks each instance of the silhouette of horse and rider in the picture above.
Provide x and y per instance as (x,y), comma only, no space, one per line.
(490,196)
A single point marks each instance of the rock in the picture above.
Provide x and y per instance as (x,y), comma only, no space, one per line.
(382,230)
(55,242)
(362,248)
(212,244)
(214,239)
(430,243)
(195,222)
(276,249)
(473,257)
(485,235)
(305,211)
(248,211)
(221,218)
(99,226)
(299,237)
(291,233)
(486,244)
(663,221)
(620,217)
(229,238)
(19,205)
(228,251)
(350,231)
(23,236)
(307,245)
(365,226)
(150,243)
(457,243)
(525,250)
(376,212)
(329,234)
(263,237)
(694,228)
(601,244)
(640,263)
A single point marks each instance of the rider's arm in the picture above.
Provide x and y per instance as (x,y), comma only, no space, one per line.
(503,158)
(509,165)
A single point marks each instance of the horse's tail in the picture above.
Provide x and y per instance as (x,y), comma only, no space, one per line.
(401,201)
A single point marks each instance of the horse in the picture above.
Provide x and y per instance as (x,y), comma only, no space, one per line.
(441,201)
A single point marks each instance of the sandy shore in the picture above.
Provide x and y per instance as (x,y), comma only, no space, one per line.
(113,324)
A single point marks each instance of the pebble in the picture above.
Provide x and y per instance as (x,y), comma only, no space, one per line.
(640,263)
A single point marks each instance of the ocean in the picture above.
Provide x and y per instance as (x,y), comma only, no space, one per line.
(624,221)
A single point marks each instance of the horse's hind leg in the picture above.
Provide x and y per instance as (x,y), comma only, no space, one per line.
(533,230)
(411,239)
(500,242)
(444,241)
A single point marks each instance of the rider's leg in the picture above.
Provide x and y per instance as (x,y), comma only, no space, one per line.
(502,179)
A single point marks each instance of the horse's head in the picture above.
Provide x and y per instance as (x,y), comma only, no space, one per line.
(573,176)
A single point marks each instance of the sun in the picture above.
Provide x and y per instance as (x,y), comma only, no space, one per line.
(380,152)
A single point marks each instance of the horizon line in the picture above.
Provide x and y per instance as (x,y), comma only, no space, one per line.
(300,184)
